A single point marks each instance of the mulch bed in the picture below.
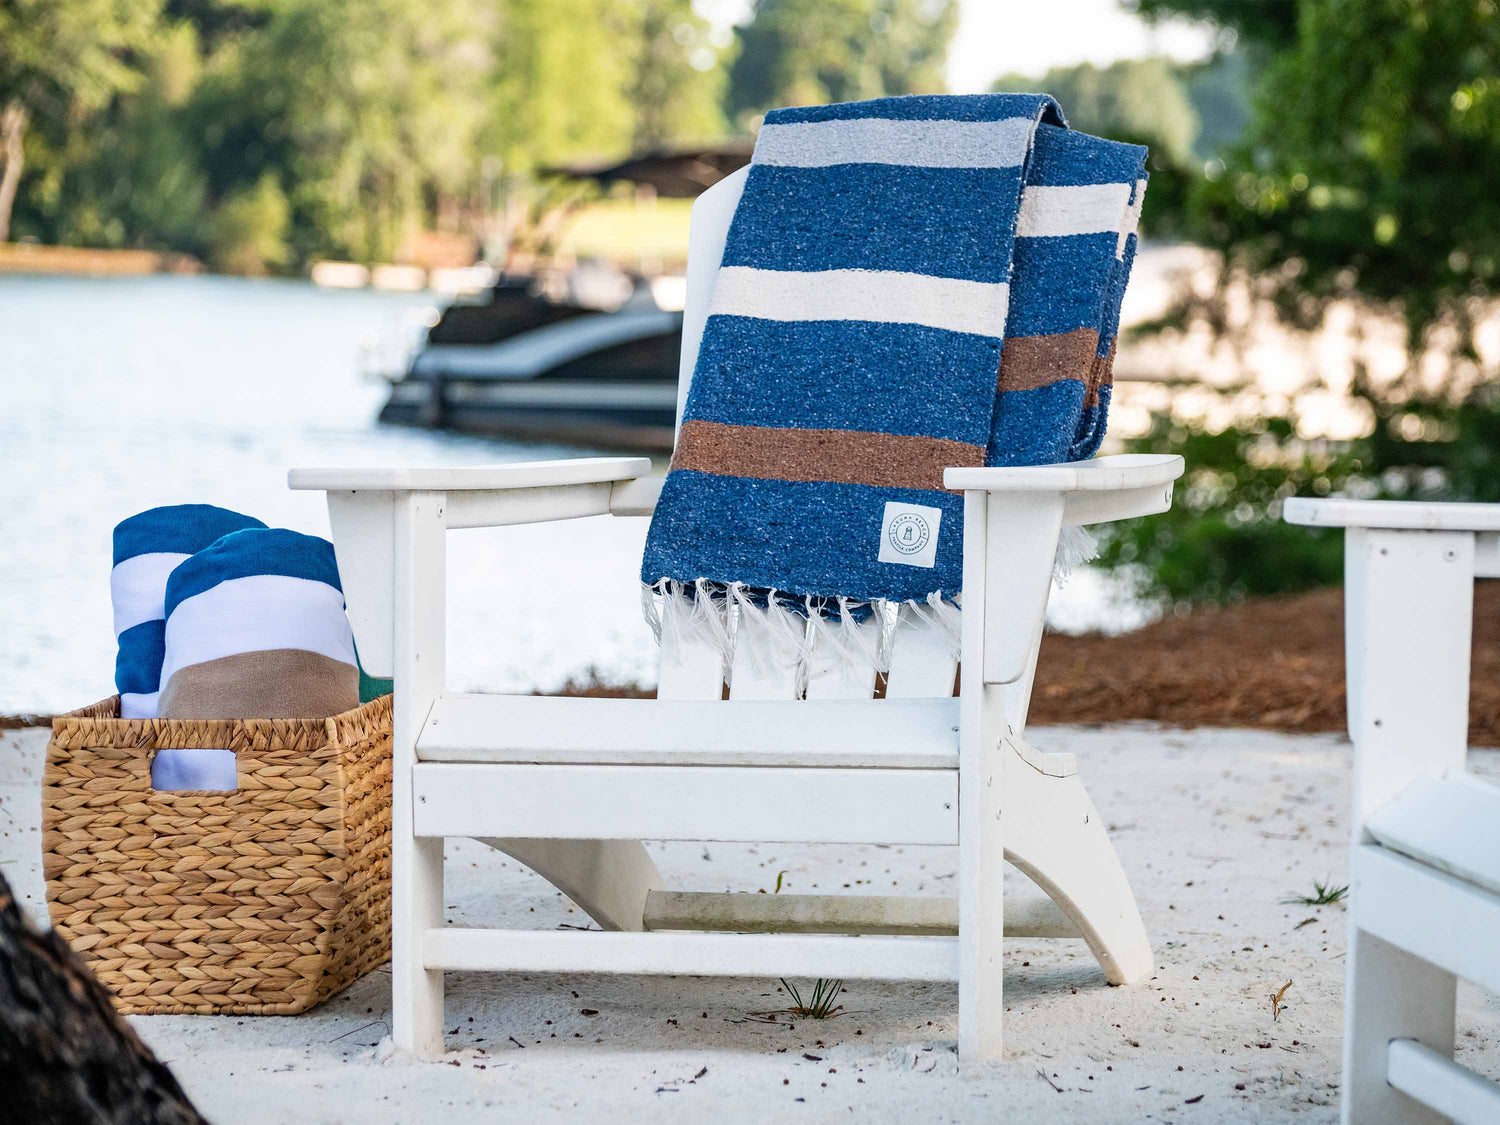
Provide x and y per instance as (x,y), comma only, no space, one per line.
(1275,663)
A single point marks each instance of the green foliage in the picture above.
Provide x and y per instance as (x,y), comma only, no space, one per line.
(59,58)
(1224,538)
(263,133)
(1272,22)
(805,52)
(1129,98)
(1367,172)
(820,1005)
(678,85)
(560,82)
(1365,177)
(59,54)
(249,229)
(1325,893)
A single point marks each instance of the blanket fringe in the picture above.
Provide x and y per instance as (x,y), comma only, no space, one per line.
(776,636)
(772,636)
(1076,546)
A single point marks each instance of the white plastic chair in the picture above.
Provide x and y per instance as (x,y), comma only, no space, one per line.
(1424,871)
(570,786)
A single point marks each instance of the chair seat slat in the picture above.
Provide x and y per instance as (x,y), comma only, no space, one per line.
(906,734)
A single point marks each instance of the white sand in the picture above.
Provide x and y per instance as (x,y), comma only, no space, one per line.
(1216,828)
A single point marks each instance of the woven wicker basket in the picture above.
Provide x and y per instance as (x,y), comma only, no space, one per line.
(266,900)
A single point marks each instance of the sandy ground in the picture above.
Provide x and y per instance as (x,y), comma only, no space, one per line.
(1215,827)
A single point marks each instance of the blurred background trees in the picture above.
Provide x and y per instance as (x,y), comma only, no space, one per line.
(261,134)
(808,52)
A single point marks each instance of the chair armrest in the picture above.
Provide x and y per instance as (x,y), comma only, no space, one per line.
(1377,516)
(1100,490)
(1115,472)
(1398,515)
(475,478)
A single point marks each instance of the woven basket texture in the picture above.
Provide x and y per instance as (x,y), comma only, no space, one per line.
(262,901)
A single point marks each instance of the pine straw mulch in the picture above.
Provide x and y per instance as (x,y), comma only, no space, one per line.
(1273,663)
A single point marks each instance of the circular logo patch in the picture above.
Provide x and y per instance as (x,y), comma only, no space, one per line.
(909,533)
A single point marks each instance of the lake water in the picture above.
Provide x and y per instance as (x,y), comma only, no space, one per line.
(117,395)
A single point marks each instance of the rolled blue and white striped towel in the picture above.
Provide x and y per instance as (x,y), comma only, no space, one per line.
(147,547)
(255,629)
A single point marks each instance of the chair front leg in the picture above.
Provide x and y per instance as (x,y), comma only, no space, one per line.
(981,841)
(1409,607)
(416,862)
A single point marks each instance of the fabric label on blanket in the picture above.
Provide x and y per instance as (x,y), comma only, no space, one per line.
(909,534)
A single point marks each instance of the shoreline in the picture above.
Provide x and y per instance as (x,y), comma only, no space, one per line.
(81,261)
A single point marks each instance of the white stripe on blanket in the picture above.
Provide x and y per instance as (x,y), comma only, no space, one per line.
(1048,212)
(255,613)
(881,296)
(138,586)
(138,705)
(878,140)
(1132,219)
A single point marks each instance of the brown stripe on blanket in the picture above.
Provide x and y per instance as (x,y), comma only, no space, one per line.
(278,683)
(1028,362)
(1101,374)
(839,456)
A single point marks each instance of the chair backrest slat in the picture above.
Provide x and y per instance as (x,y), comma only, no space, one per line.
(922,661)
(762,646)
(833,675)
(691,668)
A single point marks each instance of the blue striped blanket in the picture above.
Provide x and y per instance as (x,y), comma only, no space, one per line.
(908,284)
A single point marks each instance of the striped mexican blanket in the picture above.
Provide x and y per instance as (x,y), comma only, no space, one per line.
(147,547)
(908,284)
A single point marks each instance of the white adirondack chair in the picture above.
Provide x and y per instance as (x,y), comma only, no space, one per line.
(570,786)
(1424,871)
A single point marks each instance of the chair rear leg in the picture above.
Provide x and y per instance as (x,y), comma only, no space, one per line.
(1389,994)
(607,879)
(1054,835)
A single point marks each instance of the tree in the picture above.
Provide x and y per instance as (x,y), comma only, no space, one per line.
(560,82)
(57,56)
(677,87)
(1368,169)
(1272,22)
(1365,177)
(803,52)
(1132,98)
(354,108)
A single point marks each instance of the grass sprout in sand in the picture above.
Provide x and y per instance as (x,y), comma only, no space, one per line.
(1324,894)
(820,1005)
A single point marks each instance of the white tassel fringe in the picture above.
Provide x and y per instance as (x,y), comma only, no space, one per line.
(775,638)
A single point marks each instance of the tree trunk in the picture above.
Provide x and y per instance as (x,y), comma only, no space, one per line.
(66,1056)
(12,129)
